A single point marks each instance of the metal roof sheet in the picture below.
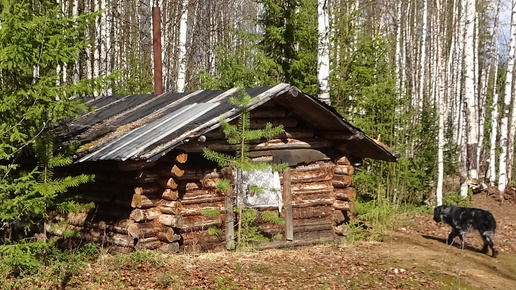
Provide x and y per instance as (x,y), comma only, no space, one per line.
(148,126)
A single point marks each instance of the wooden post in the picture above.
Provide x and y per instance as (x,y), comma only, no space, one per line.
(230,219)
(289,228)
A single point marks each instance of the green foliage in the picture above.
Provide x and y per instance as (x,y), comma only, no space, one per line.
(139,257)
(355,232)
(241,64)
(29,258)
(225,282)
(136,77)
(290,40)
(273,217)
(223,185)
(452,198)
(210,212)
(214,231)
(240,135)
(35,39)
(250,234)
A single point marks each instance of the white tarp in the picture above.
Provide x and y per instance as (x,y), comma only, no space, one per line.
(268,181)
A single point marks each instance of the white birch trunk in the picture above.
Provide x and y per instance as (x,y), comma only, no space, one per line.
(96,46)
(422,58)
(323,51)
(493,67)
(502,179)
(87,33)
(440,102)
(469,94)
(76,66)
(181,74)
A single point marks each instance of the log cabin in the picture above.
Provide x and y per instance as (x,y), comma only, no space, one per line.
(152,183)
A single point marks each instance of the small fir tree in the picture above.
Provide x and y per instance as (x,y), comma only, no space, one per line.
(35,38)
(241,135)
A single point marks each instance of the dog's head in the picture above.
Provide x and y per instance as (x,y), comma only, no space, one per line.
(439,213)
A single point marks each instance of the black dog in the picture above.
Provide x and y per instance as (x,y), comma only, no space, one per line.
(464,220)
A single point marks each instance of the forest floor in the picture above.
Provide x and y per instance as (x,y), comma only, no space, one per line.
(411,255)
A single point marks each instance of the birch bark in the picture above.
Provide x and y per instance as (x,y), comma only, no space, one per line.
(502,178)
(181,74)
(323,51)
(469,95)
(493,67)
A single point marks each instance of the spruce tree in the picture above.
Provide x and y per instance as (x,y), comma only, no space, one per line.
(35,38)
(241,135)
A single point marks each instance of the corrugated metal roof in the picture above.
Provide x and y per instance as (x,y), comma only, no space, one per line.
(146,127)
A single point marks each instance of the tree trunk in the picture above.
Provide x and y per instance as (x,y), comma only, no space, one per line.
(323,51)
(469,94)
(181,74)
(502,179)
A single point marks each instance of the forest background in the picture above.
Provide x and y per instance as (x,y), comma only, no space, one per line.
(431,79)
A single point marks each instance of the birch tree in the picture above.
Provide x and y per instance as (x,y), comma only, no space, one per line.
(441,103)
(493,70)
(469,95)
(181,75)
(323,51)
(502,177)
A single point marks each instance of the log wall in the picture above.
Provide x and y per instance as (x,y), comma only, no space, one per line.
(159,205)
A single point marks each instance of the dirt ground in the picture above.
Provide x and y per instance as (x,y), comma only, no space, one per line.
(413,255)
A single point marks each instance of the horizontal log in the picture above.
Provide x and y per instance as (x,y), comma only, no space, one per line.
(338,217)
(343,161)
(146,176)
(175,221)
(196,209)
(314,167)
(202,199)
(131,165)
(274,144)
(344,169)
(84,220)
(263,159)
(144,215)
(170,207)
(136,200)
(94,235)
(170,194)
(201,237)
(182,157)
(176,171)
(345,194)
(274,112)
(169,248)
(312,212)
(168,183)
(303,225)
(259,123)
(148,189)
(344,205)
(311,188)
(293,132)
(310,176)
(151,243)
(168,236)
(341,180)
(317,202)
(199,222)
(132,230)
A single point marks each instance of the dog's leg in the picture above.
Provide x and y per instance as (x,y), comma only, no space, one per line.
(462,241)
(488,240)
(452,236)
